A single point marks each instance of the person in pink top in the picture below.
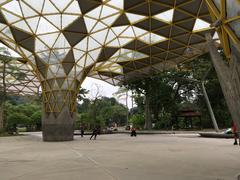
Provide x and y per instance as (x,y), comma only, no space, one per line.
(235,133)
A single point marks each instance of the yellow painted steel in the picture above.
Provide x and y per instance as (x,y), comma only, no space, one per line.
(224,30)
(175,38)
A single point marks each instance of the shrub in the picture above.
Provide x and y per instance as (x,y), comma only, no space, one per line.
(14,119)
(137,121)
(163,121)
(37,120)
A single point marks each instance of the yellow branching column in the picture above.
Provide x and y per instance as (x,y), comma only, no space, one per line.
(3,93)
(225,15)
(58,41)
(59,96)
(59,111)
(233,12)
(115,41)
(60,86)
(228,84)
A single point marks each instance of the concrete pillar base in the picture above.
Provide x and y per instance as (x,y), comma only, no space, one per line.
(57,132)
(58,126)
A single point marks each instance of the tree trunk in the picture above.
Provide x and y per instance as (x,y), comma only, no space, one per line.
(94,114)
(148,120)
(1,116)
(229,78)
(127,113)
(156,114)
(3,99)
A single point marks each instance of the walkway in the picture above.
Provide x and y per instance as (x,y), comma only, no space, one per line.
(119,157)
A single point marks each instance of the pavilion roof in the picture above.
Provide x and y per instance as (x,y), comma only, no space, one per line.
(111,40)
(19,78)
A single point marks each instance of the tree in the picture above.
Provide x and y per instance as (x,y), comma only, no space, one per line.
(142,87)
(137,120)
(161,96)
(37,120)
(162,92)
(102,111)
(123,93)
(23,111)
(93,110)
(14,119)
(82,94)
(199,68)
(4,59)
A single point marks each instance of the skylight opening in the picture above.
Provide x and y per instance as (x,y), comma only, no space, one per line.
(133,18)
(130,55)
(166,16)
(113,67)
(151,38)
(128,33)
(110,20)
(200,25)
(119,4)
(107,12)
(13,7)
(215,36)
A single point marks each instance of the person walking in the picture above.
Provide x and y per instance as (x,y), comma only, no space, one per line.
(235,133)
(82,130)
(94,133)
(133,132)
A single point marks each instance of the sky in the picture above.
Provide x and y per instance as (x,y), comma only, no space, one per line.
(105,89)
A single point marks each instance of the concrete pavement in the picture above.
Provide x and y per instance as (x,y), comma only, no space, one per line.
(119,157)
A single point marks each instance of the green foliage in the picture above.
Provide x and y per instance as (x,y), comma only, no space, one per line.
(101,112)
(82,119)
(17,118)
(36,117)
(82,94)
(171,89)
(164,121)
(165,92)
(214,92)
(137,120)
(14,119)
(36,120)
(24,112)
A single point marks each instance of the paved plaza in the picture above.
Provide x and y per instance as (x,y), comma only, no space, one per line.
(119,157)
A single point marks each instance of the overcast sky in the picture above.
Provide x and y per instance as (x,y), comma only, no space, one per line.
(104,88)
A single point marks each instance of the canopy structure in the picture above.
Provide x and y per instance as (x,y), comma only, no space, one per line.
(112,40)
(19,77)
